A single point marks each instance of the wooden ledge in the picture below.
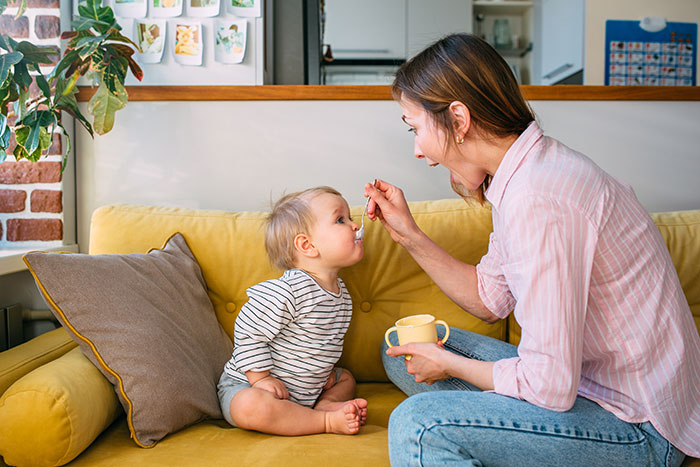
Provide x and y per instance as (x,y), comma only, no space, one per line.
(372,93)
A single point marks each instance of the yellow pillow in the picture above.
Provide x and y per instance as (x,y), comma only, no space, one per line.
(53,413)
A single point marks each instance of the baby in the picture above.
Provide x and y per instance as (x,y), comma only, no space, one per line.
(282,377)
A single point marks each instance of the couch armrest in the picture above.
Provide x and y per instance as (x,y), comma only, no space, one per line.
(49,416)
(20,360)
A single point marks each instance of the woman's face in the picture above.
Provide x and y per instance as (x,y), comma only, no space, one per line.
(431,144)
(429,140)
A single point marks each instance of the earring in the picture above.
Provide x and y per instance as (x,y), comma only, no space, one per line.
(460,140)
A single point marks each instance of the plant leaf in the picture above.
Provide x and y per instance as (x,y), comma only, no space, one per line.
(33,54)
(65,62)
(69,104)
(43,85)
(20,105)
(6,62)
(65,35)
(93,10)
(104,104)
(7,43)
(116,36)
(127,52)
(74,40)
(83,24)
(74,111)
(32,142)
(22,76)
(114,72)
(46,118)
(5,138)
(66,139)
(85,52)
(21,138)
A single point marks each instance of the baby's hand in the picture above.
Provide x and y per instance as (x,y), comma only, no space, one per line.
(273,385)
(331,381)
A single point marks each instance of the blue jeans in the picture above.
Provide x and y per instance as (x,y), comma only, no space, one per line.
(454,423)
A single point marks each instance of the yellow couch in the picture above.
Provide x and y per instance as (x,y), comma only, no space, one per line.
(81,423)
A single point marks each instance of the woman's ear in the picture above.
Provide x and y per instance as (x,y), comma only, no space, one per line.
(304,246)
(461,119)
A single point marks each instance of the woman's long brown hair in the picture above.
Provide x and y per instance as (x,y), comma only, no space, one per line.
(464,68)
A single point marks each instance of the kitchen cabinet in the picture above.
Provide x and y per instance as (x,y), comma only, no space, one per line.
(369,39)
(391,29)
(429,21)
(366,29)
(558,50)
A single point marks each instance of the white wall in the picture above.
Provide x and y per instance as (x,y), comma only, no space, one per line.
(239,155)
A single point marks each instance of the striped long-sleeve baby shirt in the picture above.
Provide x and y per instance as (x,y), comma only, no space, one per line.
(293,328)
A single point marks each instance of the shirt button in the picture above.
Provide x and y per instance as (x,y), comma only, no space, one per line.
(230,307)
(365,306)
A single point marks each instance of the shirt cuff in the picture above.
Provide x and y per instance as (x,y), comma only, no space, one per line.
(505,378)
(257,367)
(495,303)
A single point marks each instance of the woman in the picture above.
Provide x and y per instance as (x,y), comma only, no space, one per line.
(608,368)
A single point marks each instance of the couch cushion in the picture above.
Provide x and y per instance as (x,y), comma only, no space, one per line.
(53,413)
(20,360)
(215,443)
(681,231)
(146,322)
(385,286)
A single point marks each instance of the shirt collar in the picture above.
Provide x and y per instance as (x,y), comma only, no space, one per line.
(511,161)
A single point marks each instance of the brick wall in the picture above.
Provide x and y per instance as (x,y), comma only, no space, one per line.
(31,194)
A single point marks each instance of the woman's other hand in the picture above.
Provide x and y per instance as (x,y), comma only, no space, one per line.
(429,362)
(389,205)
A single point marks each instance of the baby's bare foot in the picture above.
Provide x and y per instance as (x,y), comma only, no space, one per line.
(361,405)
(344,420)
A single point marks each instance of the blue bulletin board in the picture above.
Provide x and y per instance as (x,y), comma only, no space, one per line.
(634,56)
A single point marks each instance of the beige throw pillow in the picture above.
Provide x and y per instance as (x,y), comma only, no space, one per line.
(146,322)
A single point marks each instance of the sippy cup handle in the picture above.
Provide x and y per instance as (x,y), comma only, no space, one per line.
(386,335)
(447,330)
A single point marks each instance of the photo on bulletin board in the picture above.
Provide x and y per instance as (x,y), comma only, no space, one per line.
(166,8)
(230,40)
(150,35)
(244,8)
(634,56)
(202,8)
(187,42)
(130,8)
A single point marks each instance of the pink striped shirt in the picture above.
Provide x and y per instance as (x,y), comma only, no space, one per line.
(589,279)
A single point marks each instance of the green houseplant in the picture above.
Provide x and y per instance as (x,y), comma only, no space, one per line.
(95,48)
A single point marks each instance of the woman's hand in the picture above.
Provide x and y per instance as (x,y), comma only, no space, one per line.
(271,384)
(389,205)
(428,363)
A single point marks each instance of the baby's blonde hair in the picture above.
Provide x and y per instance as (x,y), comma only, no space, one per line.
(290,217)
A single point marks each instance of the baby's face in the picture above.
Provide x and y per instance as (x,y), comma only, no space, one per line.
(333,232)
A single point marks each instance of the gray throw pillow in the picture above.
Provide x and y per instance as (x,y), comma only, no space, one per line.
(146,322)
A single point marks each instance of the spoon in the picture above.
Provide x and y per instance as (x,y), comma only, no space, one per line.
(361,232)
